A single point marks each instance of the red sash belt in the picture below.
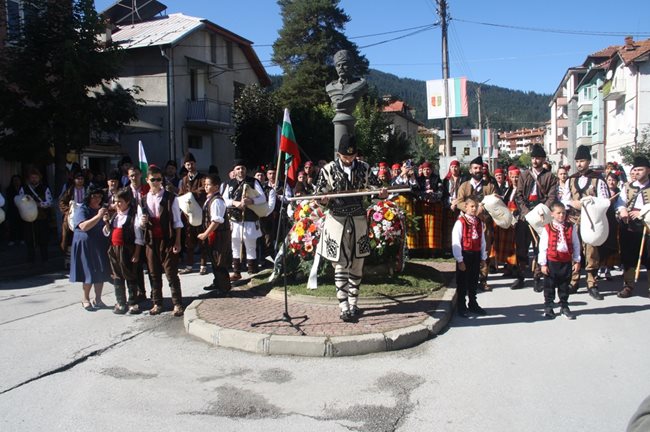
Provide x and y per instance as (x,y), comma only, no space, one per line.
(156,228)
(117,237)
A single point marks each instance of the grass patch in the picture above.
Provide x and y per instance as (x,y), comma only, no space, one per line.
(417,279)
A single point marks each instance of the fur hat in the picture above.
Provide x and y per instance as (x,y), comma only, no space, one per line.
(583,153)
(477,161)
(348,145)
(189,157)
(641,161)
(538,151)
(238,162)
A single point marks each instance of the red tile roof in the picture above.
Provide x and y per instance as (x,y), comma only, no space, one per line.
(397,106)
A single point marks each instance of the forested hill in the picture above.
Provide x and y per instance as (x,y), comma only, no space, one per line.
(505,109)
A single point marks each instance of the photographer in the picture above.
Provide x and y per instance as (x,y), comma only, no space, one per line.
(407,175)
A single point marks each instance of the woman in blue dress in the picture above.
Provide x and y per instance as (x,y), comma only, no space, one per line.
(89,254)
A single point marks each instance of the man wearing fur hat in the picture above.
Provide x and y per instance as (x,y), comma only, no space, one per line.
(477,188)
(192,182)
(245,224)
(583,183)
(535,186)
(634,195)
(345,240)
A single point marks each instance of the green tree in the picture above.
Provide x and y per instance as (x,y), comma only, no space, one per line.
(422,151)
(504,159)
(311,34)
(57,84)
(642,148)
(256,115)
(523,161)
(371,130)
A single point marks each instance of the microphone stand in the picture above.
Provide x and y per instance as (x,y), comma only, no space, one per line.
(285,315)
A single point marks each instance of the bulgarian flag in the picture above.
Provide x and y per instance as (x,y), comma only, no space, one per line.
(289,146)
(142,161)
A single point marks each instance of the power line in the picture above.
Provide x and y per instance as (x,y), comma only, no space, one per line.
(401,37)
(551,30)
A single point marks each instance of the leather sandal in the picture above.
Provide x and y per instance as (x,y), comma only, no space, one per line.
(625,292)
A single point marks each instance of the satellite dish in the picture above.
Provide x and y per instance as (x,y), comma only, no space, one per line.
(609,74)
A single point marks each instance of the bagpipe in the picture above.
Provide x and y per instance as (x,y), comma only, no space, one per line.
(352,193)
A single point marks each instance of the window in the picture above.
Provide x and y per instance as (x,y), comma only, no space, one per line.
(238,89)
(195,141)
(229,55)
(466,151)
(453,150)
(13,20)
(213,48)
(193,84)
(584,128)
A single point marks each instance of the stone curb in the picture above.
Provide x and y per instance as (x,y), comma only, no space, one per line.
(321,346)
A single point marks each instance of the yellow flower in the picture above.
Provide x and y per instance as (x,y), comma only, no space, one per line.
(300,231)
(389,215)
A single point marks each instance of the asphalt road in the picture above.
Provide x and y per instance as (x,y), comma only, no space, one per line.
(65,369)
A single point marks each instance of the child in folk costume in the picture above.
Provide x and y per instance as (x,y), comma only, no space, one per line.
(468,247)
(161,216)
(127,240)
(216,234)
(559,257)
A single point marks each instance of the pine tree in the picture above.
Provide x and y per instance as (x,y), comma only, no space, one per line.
(310,36)
(57,84)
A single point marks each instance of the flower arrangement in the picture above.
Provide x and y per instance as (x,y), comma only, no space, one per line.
(304,234)
(386,228)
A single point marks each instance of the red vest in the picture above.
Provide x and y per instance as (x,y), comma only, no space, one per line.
(470,244)
(553,235)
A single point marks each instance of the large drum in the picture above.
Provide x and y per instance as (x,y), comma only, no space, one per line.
(27,207)
(539,217)
(499,211)
(191,208)
(594,227)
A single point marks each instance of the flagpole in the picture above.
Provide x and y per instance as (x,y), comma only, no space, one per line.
(280,154)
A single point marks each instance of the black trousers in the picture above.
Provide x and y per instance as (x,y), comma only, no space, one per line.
(467,281)
(523,238)
(37,235)
(559,275)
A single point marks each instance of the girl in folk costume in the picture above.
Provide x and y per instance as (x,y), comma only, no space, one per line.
(216,235)
(429,207)
(562,180)
(609,251)
(406,200)
(634,195)
(450,185)
(559,257)
(127,240)
(468,247)
(160,215)
(504,239)
(75,192)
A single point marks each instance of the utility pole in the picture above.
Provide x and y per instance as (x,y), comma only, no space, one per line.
(480,120)
(442,11)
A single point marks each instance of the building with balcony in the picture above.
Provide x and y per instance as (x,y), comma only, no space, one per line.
(564,113)
(515,143)
(190,71)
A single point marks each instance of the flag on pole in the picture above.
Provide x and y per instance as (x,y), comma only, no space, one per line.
(142,161)
(289,146)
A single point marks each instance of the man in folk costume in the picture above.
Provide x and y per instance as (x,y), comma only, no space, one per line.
(37,233)
(477,188)
(266,243)
(535,186)
(160,216)
(216,233)
(192,182)
(583,183)
(139,193)
(634,195)
(345,240)
(504,239)
(450,185)
(245,223)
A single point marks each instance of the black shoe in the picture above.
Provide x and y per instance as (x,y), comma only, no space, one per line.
(475,308)
(211,287)
(573,289)
(567,313)
(539,285)
(346,316)
(549,313)
(593,292)
(517,284)
(462,313)
(355,311)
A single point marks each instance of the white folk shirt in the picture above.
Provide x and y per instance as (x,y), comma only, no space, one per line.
(217,211)
(457,242)
(621,201)
(118,222)
(153,205)
(543,246)
(601,190)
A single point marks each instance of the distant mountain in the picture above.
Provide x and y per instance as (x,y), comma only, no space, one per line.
(505,109)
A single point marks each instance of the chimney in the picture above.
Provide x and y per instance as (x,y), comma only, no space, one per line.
(629,43)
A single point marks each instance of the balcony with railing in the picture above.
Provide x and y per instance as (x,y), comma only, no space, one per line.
(209,112)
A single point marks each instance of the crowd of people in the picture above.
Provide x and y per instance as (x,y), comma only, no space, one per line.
(116,225)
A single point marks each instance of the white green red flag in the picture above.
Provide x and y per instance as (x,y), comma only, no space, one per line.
(142,161)
(289,146)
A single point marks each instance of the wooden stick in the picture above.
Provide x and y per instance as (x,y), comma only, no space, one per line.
(277,168)
(532,231)
(638,264)
(350,194)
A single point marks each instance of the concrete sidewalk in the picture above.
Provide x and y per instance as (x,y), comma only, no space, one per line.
(241,321)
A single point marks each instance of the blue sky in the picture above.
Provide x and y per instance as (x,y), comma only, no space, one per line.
(506,56)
